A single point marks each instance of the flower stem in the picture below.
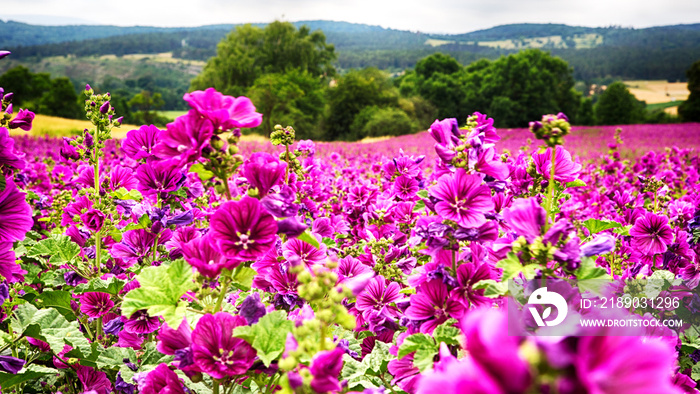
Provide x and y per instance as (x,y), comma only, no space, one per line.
(98,234)
(286,169)
(224,287)
(550,199)
(99,328)
(226,188)
(216,387)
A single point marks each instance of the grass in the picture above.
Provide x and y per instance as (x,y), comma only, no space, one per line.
(656,106)
(172,114)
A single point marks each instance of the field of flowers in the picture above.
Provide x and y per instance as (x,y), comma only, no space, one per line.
(185,261)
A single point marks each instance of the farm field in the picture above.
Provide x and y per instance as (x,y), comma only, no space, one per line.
(194,260)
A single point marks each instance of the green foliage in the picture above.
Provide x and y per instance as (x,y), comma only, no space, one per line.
(585,115)
(61,100)
(595,226)
(689,111)
(49,325)
(424,347)
(617,105)
(59,249)
(267,336)
(354,92)
(249,52)
(160,292)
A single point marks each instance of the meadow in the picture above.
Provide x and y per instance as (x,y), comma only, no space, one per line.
(193,260)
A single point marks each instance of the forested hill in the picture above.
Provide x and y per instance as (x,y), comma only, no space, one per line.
(663,52)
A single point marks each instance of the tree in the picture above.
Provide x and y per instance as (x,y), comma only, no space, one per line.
(146,103)
(689,111)
(249,52)
(355,91)
(617,105)
(533,82)
(585,115)
(291,98)
(61,100)
(26,86)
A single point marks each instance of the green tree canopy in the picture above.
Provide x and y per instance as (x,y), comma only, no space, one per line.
(61,100)
(689,111)
(617,105)
(248,52)
(355,91)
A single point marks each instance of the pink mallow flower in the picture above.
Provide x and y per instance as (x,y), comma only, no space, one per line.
(651,234)
(565,169)
(216,351)
(223,111)
(243,229)
(462,198)
(95,304)
(325,368)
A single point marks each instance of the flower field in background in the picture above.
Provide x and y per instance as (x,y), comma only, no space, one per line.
(184,260)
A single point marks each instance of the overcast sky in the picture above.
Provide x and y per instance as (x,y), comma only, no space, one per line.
(431,16)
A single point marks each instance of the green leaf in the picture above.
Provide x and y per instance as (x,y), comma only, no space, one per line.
(308,238)
(414,342)
(49,325)
(625,231)
(576,183)
(595,225)
(123,194)
(268,335)
(3,182)
(31,372)
(152,356)
(695,372)
(112,286)
(492,288)
(422,193)
(512,267)
(420,205)
(160,292)
(379,358)
(447,333)
(59,248)
(203,173)
(243,279)
(59,300)
(591,277)
(113,358)
(353,369)
(659,281)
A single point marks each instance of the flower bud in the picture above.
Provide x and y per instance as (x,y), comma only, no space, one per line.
(4,54)
(8,97)
(104,108)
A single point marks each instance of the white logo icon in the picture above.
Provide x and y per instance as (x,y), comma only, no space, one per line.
(542,297)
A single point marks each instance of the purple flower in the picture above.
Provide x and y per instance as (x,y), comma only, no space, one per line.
(203,255)
(141,323)
(526,217)
(433,301)
(374,302)
(325,368)
(162,381)
(291,227)
(122,177)
(23,120)
(462,198)
(16,214)
(223,111)
(252,309)
(651,234)
(95,304)
(140,143)
(565,170)
(159,177)
(215,350)
(243,229)
(617,364)
(10,364)
(104,108)
(94,380)
(405,187)
(300,252)
(93,220)
(68,151)
(281,204)
(113,326)
(9,157)
(135,245)
(262,170)
(4,54)
(170,341)
(9,269)
(601,244)
(495,351)
(185,138)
